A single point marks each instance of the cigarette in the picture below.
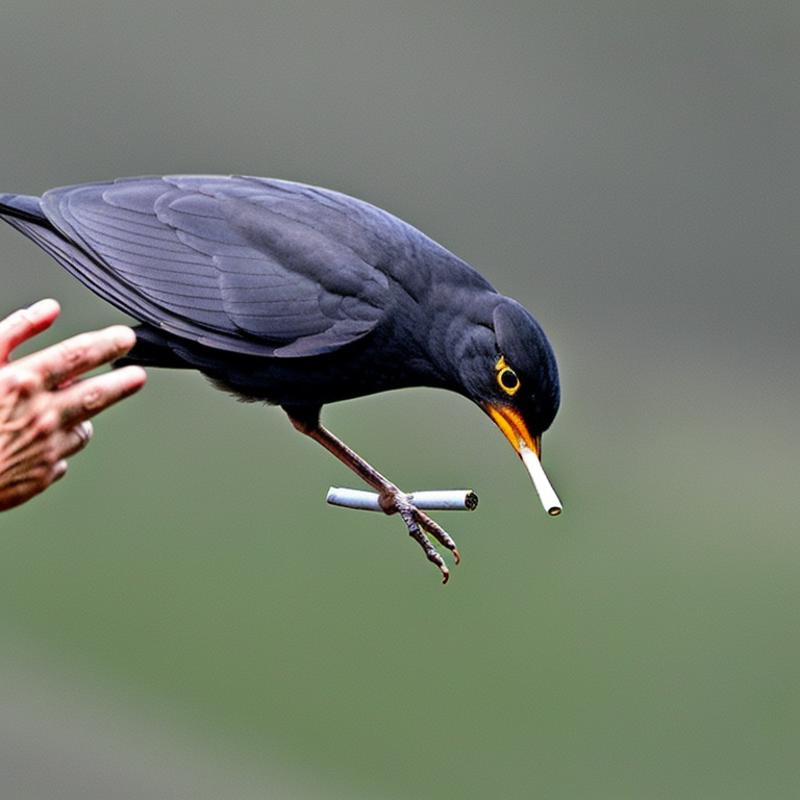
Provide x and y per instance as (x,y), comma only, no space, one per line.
(552,505)
(444,500)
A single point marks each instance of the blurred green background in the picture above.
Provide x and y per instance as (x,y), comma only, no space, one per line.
(183,616)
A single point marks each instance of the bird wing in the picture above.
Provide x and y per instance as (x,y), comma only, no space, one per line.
(250,265)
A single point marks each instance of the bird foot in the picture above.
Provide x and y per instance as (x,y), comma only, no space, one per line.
(419,524)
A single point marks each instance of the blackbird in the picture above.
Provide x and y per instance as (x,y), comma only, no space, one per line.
(300,296)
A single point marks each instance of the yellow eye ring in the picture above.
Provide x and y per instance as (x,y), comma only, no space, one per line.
(507,379)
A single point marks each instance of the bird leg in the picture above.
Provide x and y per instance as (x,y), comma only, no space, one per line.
(391,499)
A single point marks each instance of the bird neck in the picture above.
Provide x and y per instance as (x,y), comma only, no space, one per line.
(460,335)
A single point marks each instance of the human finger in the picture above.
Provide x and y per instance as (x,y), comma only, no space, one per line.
(59,470)
(28,478)
(20,492)
(72,441)
(25,323)
(84,399)
(69,359)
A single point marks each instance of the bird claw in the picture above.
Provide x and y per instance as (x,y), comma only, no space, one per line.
(418,524)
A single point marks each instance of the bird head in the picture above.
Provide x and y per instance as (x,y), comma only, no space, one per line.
(510,371)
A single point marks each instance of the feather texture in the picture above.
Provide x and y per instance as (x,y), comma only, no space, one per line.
(250,265)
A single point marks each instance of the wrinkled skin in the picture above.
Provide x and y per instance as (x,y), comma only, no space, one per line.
(45,407)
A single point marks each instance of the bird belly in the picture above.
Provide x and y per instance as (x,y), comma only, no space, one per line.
(357,370)
(313,382)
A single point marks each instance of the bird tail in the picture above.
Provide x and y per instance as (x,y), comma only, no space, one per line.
(22,207)
(152,349)
(25,213)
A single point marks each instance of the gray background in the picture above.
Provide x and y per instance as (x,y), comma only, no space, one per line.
(627,170)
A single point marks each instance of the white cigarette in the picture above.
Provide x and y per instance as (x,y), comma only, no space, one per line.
(552,505)
(445,500)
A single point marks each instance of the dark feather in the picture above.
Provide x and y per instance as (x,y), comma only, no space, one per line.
(244,264)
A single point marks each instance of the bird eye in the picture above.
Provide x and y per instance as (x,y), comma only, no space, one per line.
(507,379)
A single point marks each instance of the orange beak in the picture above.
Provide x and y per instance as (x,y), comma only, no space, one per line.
(529,449)
(514,428)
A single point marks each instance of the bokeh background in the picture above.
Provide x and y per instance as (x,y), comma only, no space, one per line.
(183,616)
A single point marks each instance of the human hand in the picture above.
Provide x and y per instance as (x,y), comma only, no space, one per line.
(44,407)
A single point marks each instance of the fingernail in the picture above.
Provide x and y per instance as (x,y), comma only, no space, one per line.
(87,429)
(138,372)
(46,305)
(123,336)
(60,469)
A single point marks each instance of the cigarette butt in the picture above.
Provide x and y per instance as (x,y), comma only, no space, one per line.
(552,505)
(444,500)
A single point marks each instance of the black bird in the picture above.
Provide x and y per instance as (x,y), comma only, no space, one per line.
(300,296)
